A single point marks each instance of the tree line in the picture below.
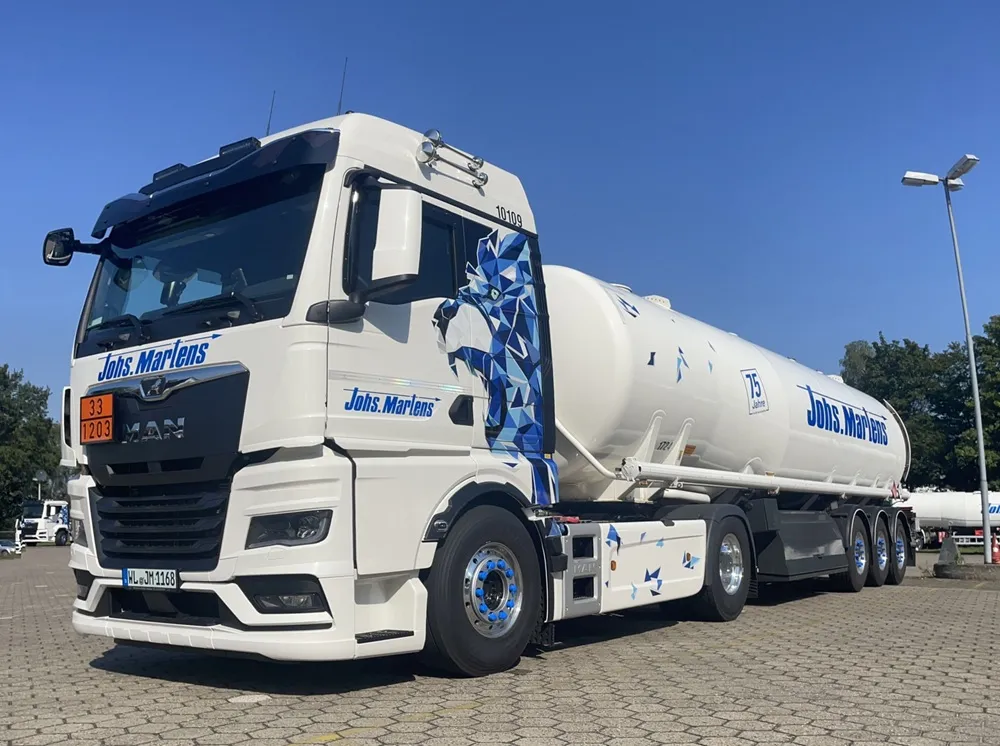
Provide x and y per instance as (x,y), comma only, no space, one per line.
(932,392)
(29,444)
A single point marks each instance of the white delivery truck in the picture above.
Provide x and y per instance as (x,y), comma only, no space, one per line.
(329,403)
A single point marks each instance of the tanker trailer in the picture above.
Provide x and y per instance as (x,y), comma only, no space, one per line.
(678,419)
(960,514)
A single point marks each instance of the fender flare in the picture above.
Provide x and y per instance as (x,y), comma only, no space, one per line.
(507,496)
(465,496)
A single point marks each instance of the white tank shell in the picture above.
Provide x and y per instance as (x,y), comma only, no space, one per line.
(944,510)
(619,360)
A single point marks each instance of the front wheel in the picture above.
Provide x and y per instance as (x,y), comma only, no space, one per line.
(727,581)
(483,594)
(62,538)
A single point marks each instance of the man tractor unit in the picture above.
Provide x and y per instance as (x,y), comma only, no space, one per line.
(42,522)
(327,402)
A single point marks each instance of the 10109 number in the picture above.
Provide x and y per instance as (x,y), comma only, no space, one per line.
(509,216)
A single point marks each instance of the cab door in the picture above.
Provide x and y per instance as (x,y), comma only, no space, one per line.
(394,402)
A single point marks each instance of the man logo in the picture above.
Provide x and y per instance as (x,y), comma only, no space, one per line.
(153,386)
(166,429)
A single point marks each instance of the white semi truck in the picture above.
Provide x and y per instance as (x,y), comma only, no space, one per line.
(42,522)
(328,403)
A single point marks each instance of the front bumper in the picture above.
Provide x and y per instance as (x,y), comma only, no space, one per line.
(224,617)
(310,636)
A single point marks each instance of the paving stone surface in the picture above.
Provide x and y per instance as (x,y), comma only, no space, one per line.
(912,666)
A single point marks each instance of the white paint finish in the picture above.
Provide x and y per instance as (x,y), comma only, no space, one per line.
(395,497)
(946,509)
(649,563)
(607,395)
(392,148)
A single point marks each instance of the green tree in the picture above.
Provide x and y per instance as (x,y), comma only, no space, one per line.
(906,375)
(27,443)
(932,393)
(957,411)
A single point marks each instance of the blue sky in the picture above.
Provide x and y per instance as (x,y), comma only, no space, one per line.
(742,159)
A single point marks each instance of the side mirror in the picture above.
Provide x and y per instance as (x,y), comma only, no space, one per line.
(396,257)
(57,250)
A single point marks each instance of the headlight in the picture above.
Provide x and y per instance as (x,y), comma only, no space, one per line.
(289,529)
(77,532)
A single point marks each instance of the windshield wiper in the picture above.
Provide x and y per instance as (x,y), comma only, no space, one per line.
(217,301)
(126,318)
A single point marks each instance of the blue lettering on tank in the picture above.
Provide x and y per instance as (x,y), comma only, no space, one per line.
(825,412)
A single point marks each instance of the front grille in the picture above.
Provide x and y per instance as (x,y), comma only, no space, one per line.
(171,526)
(28,530)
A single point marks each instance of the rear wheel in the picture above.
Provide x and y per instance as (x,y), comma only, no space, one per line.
(858,559)
(727,574)
(483,594)
(898,556)
(882,555)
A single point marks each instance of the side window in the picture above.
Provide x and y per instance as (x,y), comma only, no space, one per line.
(474,232)
(436,278)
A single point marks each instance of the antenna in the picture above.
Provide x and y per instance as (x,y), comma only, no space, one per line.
(343,79)
(269,113)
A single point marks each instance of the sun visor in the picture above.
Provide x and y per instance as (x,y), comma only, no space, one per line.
(238,162)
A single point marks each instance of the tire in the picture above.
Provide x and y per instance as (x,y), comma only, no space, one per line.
(859,557)
(62,538)
(727,556)
(882,556)
(897,567)
(487,557)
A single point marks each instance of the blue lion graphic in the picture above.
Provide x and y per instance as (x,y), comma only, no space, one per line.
(505,354)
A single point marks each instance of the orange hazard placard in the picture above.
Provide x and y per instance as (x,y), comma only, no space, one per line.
(97,418)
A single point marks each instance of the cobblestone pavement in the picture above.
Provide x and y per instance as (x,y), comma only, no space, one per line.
(804,668)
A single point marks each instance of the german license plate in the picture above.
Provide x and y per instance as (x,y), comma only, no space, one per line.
(161,580)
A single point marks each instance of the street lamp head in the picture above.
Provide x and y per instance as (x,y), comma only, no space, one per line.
(917,178)
(953,185)
(965,164)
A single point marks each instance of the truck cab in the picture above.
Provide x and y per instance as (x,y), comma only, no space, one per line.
(285,386)
(43,522)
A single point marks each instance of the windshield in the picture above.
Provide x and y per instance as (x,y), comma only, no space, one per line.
(32,510)
(228,257)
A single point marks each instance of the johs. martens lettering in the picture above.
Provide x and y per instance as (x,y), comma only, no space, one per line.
(843,419)
(180,355)
(366,401)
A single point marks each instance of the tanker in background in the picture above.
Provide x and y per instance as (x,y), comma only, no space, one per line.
(938,514)
(327,403)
